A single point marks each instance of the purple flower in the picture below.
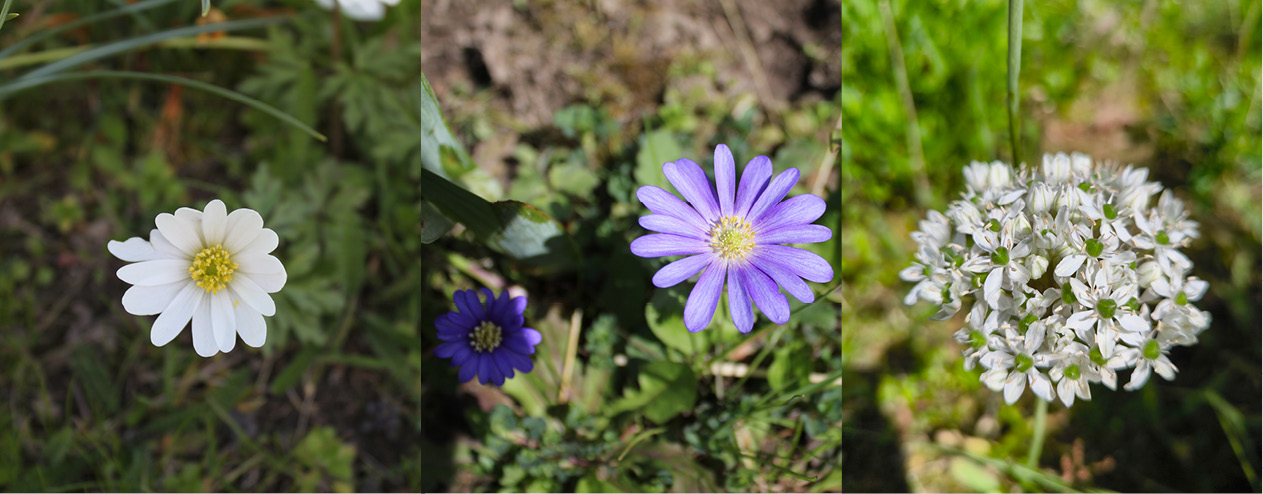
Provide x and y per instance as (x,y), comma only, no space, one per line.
(734,235)
(486,338)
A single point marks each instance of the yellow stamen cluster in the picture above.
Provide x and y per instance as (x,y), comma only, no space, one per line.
(212,268)
(732,237)
(486,337)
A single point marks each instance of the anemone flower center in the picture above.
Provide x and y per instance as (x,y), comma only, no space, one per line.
(486,337)
(732,237)
(212,268)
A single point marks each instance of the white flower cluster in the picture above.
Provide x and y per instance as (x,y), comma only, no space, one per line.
(1074,275)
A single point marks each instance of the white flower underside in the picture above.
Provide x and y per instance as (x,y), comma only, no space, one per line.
(163,285)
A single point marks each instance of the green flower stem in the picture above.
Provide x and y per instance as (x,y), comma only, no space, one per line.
(1037,439)
(1015,66)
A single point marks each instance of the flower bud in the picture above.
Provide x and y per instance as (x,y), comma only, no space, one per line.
(976,176)
(1147,273)
(1042,197)
(1000,175)
(1056,168)
(1037,264)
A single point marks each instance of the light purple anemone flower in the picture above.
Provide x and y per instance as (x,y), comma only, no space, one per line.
(734,235)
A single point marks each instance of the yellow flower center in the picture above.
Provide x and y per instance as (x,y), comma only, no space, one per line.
(212,268)
(731,237)
(486,337)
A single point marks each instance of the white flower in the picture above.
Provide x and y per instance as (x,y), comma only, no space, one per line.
(360,10)
(1072,373)
(1152,355)
(1017,363)
(1068,268)
(210,267)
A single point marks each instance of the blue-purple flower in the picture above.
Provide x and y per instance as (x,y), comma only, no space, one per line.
(486,337)
(734,235)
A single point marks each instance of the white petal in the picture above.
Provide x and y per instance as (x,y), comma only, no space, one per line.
(1080,320)
(243,226)
(249,292)
(994,379)
(263,243)
(214,222)
(149,300)
(1195,289)
(1065,392)
(203,331)
(1132,322)
(1106,340)
(223,322)
(183,234)
(164,247)
(1069,265)
(151,273)
(1013,387)
(270,283)
(261,264)
(193,216)
(251,326)
(134,249)
(991,287)
(176,315)
(1139,376)
(1041,386)
(1164,367)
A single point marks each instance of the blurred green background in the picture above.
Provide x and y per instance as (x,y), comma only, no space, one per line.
(565,106)
(1173,87)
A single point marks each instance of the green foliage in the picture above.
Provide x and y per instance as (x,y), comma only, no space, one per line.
(1171,89)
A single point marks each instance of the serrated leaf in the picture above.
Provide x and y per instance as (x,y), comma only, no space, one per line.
(666,390)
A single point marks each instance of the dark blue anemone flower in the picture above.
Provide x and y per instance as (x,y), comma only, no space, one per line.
(735,234)
(486,338)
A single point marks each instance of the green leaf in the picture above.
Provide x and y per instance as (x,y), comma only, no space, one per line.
(325,457)
(532,237)
(973,476)
(435,136)
(205,7)
(791,366)
(665,315)
(666,390)
(590,483)
(656,148)
(433,223)
(573,178)
(461,205)
(25,83)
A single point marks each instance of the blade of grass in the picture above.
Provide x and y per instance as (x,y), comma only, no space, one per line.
(4,12)
(148,39)
(224,43)
(1231,420)
(205,7)
(50,32)
(19,85)
(641,436)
